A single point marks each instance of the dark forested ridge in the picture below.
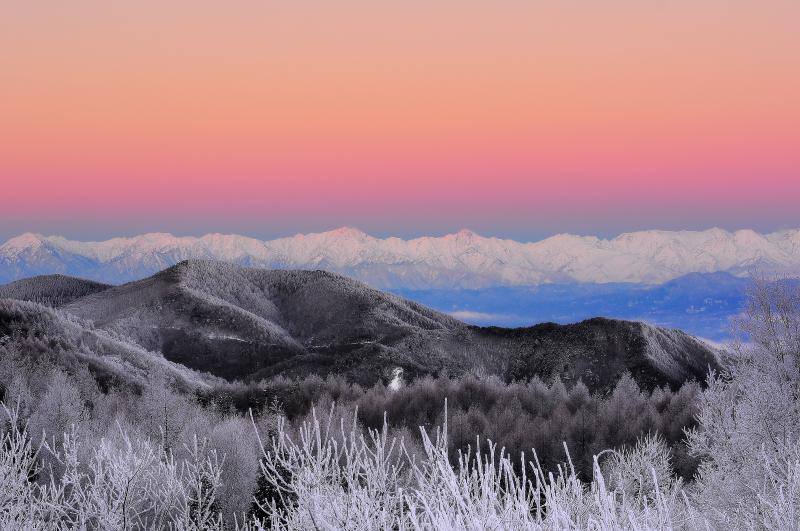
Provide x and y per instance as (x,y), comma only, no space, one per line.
(50,290)
(598,351)
(247,324)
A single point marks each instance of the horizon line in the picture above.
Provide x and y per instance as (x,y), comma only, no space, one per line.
(344,229)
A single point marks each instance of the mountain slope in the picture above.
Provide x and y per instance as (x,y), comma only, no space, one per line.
(463,260)
(598,351)
(32,331)
(243,323)
(248,323)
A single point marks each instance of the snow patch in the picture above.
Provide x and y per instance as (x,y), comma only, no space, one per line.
(224,337)
(467,315)
(397,379)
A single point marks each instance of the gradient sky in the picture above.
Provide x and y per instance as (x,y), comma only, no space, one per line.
(513,118)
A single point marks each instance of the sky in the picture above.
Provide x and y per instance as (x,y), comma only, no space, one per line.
(512,118)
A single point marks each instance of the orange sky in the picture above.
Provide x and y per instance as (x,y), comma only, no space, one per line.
(511,117)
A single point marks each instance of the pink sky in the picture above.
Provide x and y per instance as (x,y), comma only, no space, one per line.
(508,117)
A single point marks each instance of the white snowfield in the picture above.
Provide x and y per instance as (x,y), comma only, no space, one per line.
(464,259)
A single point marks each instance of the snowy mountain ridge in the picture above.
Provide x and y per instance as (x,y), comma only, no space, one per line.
(464,259)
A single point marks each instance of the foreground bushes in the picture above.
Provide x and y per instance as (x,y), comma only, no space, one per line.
(329,475)
(342,479)
(117,484)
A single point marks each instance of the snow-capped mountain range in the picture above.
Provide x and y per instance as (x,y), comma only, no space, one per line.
(464,259)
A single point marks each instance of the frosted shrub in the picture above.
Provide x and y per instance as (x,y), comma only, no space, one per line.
(332,477)
(642,472)
(199,482)
(132,485)
(484,492)
(21,503)
(124,485)
(235,442)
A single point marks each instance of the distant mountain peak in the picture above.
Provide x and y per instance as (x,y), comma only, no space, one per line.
(348,232)
(464,259)
(465,234)
(27,240)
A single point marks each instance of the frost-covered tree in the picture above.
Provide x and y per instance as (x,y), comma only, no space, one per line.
(749,422)
(61,408)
